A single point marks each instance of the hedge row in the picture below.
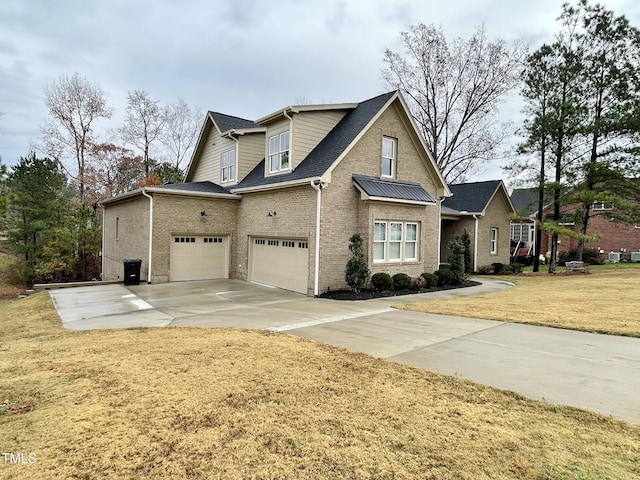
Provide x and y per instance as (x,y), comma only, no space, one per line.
(401,281)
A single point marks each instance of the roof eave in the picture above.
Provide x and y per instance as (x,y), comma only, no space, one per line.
(277,185)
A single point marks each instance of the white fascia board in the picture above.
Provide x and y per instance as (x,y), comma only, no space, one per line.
(306,108)
(185,193)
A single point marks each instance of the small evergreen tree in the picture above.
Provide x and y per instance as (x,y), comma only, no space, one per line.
(357,271)
(466,242)
(455,258)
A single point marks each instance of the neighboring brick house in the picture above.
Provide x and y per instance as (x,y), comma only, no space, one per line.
(275,201)
(483,210)
(617,241)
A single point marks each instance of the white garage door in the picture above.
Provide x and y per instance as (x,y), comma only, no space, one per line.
(283,263)
(198,257)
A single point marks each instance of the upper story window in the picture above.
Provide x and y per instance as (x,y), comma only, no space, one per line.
(388,157)
(228,166)
(279,153)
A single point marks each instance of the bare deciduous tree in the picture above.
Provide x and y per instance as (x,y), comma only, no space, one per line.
(453,90)
(181,129)
(114,170)
(74,104)
(143,124)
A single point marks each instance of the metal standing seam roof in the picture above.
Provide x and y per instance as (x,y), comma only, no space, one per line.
(327,151)
(392,189)
(471,197)
(229,122)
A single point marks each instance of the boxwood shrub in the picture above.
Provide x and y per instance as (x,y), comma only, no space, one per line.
(401,281)
(431,280)
(445,277)
(382,281)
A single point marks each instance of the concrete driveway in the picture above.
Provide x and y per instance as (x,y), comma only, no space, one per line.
(596,372)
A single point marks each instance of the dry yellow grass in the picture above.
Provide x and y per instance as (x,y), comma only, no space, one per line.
(603,301)
(231,404)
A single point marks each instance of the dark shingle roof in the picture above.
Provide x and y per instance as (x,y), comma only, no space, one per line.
(203,187)
(471,197)
(376,187)
(525,200)
(328,150)
(228,122)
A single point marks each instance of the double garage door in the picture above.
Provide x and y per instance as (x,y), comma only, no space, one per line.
(279,262)
(199,257)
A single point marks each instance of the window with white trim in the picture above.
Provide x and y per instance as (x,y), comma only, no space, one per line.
(388,157)
(395,241)
(494,240)
(228,166)
(279,153)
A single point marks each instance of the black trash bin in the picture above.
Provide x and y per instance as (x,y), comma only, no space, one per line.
(132,271)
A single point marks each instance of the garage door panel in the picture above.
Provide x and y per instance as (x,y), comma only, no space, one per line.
(282,263)
(198,258)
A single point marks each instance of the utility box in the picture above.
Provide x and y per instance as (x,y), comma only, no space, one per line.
(132,271)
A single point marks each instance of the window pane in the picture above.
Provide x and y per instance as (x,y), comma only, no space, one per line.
(284,160)
(284,141)
(394,251)
(396,232)
(411,232)
(387,148)
(386,167)
(232,172)
(273,145)
(410,251)
(379,231)
(273,163)
(378,251)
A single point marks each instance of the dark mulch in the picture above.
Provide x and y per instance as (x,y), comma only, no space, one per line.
(369,294)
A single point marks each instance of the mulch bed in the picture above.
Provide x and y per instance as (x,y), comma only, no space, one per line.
(369,294)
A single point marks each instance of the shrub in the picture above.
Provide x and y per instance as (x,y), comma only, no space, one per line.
(382,282)
(497,267)
(455,258)
(430,279)
(486,270)
(466,241)
(419,283)
(507,269)
(517,267)
(445,277)
(401,281)
(357,272)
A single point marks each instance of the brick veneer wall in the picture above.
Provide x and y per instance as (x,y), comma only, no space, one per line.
(295,217)
(132,237)
(180,215)
(344,213)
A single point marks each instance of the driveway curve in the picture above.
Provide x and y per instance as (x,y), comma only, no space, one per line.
(596,372)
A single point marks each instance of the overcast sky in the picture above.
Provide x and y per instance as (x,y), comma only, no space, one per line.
(242,57)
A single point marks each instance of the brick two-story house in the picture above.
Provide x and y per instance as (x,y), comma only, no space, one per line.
(275,201)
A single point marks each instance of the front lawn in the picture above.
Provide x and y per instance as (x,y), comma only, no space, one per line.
(225,403)
(605,300)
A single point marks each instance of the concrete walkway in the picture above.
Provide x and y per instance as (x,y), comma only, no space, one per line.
(596,372)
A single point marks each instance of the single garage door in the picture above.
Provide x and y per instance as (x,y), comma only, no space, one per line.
(282,263)
(200,257)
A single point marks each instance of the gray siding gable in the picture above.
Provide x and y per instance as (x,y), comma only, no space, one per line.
(323,156)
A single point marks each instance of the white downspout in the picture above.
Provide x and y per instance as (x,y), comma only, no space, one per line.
(284,112)
(149,264)
(475,245)
(318,188)
(439,232)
